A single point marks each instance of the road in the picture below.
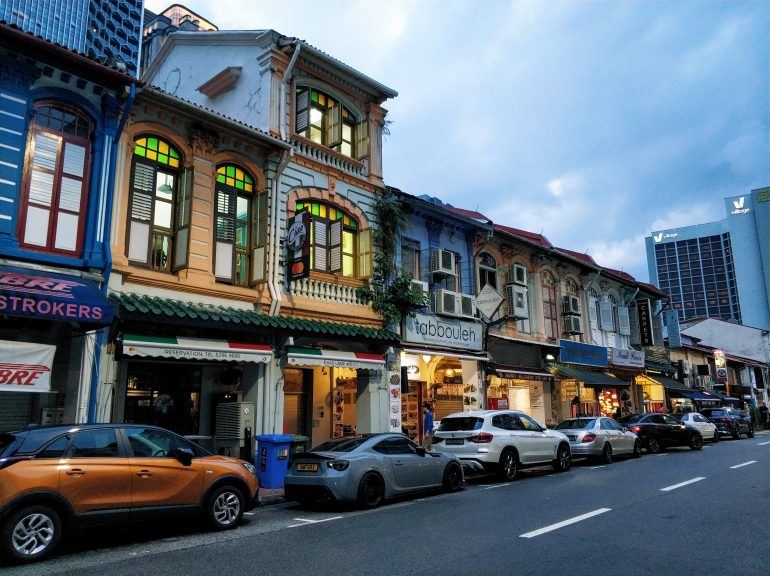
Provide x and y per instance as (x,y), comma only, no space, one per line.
(681,512)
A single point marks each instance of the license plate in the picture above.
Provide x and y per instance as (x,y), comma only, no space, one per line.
(455,441)
(307,467)
(572,437)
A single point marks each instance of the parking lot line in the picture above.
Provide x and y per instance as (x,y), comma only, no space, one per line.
(763,443)
(563,523)
(489,487)
(685,483)
(308,522)
(743,464)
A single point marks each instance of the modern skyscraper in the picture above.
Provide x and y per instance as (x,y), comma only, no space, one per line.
(108,30)
(719,269)
(157,27)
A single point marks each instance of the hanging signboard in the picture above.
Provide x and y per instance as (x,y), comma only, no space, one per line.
(672,328)
(644,312)
(720,363)
(298,245)
(628,358)
(488,301)
(25,366)
(438,331)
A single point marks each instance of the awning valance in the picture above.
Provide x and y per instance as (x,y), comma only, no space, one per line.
(516,372)
(481,357)
(667,383)
(697,395)
(336,358)
(195,349)
(591,378)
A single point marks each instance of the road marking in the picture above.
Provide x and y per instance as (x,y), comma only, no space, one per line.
(307,522)
(675,486)
(661,454)
(742,465)
(249,513)
(597,467)
(494,486)
(763,443)
(564,523)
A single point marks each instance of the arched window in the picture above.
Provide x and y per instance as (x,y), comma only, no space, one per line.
(571,287)
(550,320)
(337,243)
(158,207)
(323,119)
(233,230)
(53,203)
(487,270)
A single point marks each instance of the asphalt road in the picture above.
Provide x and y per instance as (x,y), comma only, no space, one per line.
(681,512)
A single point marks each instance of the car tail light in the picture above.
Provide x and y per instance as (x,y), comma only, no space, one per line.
(338,465)
(589,437)
(480,438)
(635,429)
(10,461)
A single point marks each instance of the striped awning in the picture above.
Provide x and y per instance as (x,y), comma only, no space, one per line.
(316,357)
(183,348)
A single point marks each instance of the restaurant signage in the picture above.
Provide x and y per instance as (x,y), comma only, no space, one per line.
(436,331)
(627,358)
(25,366)
(578,353)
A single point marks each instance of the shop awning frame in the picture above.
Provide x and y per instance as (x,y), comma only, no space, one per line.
(334,358)
(481,357)
(667,383)
(184,348)
(591,378)
(697,395)
(508,371)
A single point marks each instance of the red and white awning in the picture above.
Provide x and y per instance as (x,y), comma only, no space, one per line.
(182,348)
(315,357)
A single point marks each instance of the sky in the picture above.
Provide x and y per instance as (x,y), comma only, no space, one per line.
(592,122)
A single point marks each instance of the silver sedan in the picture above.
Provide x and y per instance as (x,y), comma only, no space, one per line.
(368,469)
(599,437)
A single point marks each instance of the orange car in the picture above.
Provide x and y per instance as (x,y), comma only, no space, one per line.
(54,477)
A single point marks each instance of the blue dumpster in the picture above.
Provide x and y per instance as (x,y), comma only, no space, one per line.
(272,459)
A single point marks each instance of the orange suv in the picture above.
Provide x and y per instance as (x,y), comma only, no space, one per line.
(54,477)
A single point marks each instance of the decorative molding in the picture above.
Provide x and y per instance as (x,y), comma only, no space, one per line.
(203,141)
(221,82)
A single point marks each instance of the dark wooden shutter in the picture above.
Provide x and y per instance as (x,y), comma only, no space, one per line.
(182,220)
(302,117)
(259,239)
(334,125)
(362,140)
(140,212)
(320,244)
(335,246)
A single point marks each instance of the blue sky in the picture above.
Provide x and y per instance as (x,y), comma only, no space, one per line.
(594,122)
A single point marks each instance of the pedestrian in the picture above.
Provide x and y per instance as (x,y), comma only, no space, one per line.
(618,413)
(427,426)
(763,414)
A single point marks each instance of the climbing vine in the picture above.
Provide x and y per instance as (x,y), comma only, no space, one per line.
(390,294)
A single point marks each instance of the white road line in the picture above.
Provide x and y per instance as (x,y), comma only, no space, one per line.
(661,454)
(597,467)
(675,486)
(763,443)
(494,486)
(742,465)
(564,523)
(307,522)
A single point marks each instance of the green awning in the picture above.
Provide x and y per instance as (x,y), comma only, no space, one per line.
(668,383)
(591,378)
(657,367)
(152,308)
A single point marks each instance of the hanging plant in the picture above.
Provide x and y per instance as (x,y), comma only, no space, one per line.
(391,295)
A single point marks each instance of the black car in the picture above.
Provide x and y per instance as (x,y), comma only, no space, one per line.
(659,431)
(730,421)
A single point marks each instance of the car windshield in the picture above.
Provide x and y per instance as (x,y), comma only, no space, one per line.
(631,418)
(341,445)
(576,424)
(717,413)
(460,424)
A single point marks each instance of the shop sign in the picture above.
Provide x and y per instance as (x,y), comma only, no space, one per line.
(25,366)
(298,244)
(56,296)
(657,354)
(195,349)
(436,331)
(394,396)
(488,301)
(672,327)
(578,353)
(630,358)
(644,313)
(720,363)
(334,358)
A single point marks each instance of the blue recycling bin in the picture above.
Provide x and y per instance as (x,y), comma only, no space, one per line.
(272,459)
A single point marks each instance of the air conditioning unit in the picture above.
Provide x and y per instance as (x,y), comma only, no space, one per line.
(517,274)
(468,305)
(420,286)
(442,262)
(518,305)
(571,305)
(573,325)
(232,420)
(447,303)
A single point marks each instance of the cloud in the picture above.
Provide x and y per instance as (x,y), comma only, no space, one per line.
(627,254)
(687,216)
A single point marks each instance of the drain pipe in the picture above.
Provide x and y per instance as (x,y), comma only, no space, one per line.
(284,82)
(273,262)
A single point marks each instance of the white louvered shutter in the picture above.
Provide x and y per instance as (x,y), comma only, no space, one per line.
(605,313)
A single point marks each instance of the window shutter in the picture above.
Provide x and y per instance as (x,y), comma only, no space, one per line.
(259,239)
(624,325)
(335,246)
(521,303)
(225,234)
(182,223)
(302,117)
(140,212)
(365,253)
(320,244)
(633,324)
(605,311)
(334,125)
(362,140)
(592,318)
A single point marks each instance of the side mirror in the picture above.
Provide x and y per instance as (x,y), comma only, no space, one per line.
(184,455)
(420,451)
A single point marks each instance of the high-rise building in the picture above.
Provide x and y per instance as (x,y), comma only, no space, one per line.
(718,269)
(105,30)
(157,27)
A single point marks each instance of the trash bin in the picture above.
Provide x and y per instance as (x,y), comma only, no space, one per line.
(272,459)
(298,444)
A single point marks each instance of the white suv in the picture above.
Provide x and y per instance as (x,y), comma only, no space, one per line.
(501,441)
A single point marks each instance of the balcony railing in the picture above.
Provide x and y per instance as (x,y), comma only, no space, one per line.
(326,291)
(329,158)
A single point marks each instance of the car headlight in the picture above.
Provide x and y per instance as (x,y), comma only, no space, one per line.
(338,465)
(250,467)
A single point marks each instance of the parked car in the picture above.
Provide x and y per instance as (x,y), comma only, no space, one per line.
(702,424)
(368,469)
(660,431)
(502,441)
(55,477)
(599,438)
(730,421)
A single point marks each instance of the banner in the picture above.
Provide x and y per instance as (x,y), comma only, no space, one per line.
(629,358)
(25,366)
(578,353)
(437,331)
(644,312)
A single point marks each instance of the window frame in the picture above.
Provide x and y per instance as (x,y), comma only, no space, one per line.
(485,271)
(550,305)
(347,118)
(235,193)
(352,227)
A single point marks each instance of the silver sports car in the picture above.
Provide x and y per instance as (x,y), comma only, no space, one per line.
(599,437)
(368,469)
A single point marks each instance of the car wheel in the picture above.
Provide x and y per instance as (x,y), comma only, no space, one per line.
(737,433)
(31,534)
(563,459)
(750,433)
(637,453)
(716,435)
(453,478)
(654,446)
(509,465)
(607,454)
(224,508)
(696,442)
(370,491)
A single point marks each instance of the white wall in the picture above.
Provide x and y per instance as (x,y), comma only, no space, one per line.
(732,338)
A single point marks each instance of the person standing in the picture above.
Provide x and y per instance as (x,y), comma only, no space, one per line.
(427,426)
(763,414)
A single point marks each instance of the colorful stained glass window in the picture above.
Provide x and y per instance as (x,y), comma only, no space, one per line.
(231,175)
(158,150)
(324,211)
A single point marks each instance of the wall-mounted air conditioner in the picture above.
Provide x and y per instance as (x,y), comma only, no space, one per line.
(442,262)
(571,305)
(420,286)
(517,274)
(573,325)
(518,303)
(468,306)
(447,303)
(232,420)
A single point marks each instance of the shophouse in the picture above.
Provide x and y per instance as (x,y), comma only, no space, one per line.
(60,116)
(321,183)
